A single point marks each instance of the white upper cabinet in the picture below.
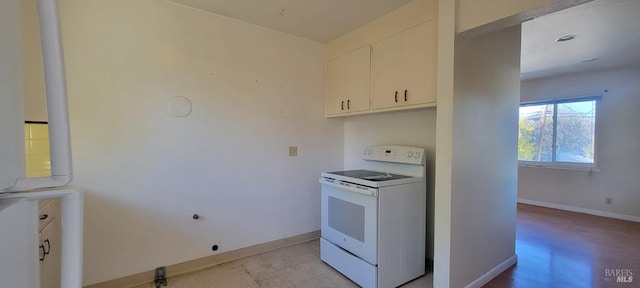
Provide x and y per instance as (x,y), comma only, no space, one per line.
(348,82)
(403,69)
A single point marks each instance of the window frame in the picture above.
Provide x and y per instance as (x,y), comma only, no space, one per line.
(562,164)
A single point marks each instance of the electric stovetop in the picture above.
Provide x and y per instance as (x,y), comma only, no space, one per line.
(369,175)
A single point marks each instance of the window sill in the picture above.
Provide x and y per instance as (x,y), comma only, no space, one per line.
(588,168)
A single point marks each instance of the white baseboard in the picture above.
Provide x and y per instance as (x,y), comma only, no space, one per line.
(493,273)
(580,210)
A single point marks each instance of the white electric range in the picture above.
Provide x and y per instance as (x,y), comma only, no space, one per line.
(373,221)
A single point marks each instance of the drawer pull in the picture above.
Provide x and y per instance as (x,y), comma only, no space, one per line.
(44,216)
(45,251)
(42,253)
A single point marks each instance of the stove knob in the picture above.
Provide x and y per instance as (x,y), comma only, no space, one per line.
(409,154)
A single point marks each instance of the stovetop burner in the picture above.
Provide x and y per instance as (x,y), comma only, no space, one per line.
(369,175)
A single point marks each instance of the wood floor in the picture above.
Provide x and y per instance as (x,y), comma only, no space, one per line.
(564,249)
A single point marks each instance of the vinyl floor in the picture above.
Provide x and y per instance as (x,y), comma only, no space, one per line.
(555,248)
(291,267)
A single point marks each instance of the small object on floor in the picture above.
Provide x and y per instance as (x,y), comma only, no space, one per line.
(161,277)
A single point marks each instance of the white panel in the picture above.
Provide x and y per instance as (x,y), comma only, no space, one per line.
(18,244)
(401,238)
(11,121)
(56,94)
(35,106)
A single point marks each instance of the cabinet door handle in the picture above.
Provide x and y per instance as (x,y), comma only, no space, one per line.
(48,249)
(396,96)
(44,216)
(42,254)
(348,104)
(45,251)
(405,95)
(342,105)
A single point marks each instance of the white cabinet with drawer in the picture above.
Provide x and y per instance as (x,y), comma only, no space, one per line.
(50,243)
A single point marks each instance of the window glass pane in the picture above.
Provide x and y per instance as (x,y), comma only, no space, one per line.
(576,126)
(535,137)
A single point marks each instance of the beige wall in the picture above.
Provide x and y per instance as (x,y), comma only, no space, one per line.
(11,109)
(254,93)
(618,147)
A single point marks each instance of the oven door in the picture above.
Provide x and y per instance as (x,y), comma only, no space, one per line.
(349,218)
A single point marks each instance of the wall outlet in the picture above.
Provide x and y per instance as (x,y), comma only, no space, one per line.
(293,151)
(609,201)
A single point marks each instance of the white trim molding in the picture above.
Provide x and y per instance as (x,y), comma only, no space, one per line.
(493,273)
(580,210)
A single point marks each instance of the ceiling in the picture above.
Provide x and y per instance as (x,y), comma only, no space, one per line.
(318,20)
(606,30)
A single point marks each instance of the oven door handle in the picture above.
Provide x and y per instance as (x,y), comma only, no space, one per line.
(364,190)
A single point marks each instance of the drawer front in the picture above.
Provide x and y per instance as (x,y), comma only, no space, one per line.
(356,269)
(48,212)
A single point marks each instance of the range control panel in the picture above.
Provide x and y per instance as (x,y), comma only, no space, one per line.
(395,154)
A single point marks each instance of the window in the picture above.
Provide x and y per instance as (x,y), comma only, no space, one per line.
(559,131)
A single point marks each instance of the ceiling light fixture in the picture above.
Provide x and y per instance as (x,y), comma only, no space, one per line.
(566,38)
(589,60)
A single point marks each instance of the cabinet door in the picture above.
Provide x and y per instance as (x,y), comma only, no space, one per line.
(419,63)
(359,80)
(337,83)
(348,82)
(386,72)
(50,241)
